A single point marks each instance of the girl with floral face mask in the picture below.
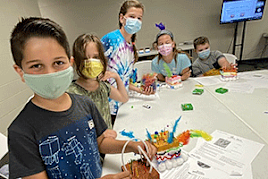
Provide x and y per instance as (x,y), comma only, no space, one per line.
(91,65)
(177,61)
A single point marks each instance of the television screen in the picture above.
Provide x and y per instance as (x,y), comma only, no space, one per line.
(241,10)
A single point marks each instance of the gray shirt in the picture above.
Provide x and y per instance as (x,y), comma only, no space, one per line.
(200,67)
(62,143)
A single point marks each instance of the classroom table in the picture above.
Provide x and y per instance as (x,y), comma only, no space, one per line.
(251,108)
(209,114)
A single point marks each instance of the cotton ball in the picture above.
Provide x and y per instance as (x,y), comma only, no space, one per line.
(174,162)
(184,156)
(161,167)
(172,152)
(179,161)
(169,164)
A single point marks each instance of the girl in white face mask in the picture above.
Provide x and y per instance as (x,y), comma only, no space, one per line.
(177,61)
(91,67)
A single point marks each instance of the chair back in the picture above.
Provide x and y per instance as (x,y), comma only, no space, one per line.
(4,146)
(230,57)
(143,67)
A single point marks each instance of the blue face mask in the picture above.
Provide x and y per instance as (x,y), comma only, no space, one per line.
(204,54)
(51,85)
(132,25)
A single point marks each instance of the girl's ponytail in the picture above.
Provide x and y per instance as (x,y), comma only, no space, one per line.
(136,56)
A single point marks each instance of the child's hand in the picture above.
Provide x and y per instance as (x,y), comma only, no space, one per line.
(225,67)
(186,75)
(109,74)
(121,175)
(234,65)
(110,133)
(152,149)
(229,66)
(148,90)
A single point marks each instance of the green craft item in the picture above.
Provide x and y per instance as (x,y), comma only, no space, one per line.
(198,91)
(221,90)
(187,107)
(167,69)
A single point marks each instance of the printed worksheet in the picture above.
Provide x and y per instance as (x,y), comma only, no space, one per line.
(227,152)
(203,170)
(255,79)
(180,172)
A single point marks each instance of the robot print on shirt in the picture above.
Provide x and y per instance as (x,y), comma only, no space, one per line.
(49,150)
(90,141)
(86,172)
(94,149)
(55,171)
(74,147)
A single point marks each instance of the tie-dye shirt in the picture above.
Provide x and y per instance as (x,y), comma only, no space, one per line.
(120,56)
(64,144)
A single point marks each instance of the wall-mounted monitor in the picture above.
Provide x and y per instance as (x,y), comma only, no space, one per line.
(241,10)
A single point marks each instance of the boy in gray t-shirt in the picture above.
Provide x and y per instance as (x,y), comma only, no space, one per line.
(57,134)
(207,59)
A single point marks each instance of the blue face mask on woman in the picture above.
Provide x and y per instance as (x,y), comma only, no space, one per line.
(132,25)
(51,85)
(204,54)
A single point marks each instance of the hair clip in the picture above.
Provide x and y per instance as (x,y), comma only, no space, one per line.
(133,43)
(160,26)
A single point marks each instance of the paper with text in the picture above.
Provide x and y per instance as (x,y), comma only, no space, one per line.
(227,152)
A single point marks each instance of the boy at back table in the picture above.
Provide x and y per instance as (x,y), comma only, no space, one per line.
(207,59)
(56,135)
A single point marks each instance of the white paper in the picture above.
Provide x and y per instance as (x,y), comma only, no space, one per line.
(3,144)
(227,152)
(255,79)
(237,87)
(134,96)
(205,171)
(180,172)
(210,80)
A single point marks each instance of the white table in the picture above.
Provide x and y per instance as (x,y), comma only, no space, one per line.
(209,114)
(249,108)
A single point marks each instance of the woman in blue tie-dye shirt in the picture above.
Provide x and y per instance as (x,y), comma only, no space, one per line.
(120,48)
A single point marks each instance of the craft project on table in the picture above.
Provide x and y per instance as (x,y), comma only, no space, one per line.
(149,80)
(172,80)
(139,168)
(228,74)
(168,146)
(169,154)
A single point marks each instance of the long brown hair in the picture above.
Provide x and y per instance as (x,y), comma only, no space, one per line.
(123,10)
(79,52)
